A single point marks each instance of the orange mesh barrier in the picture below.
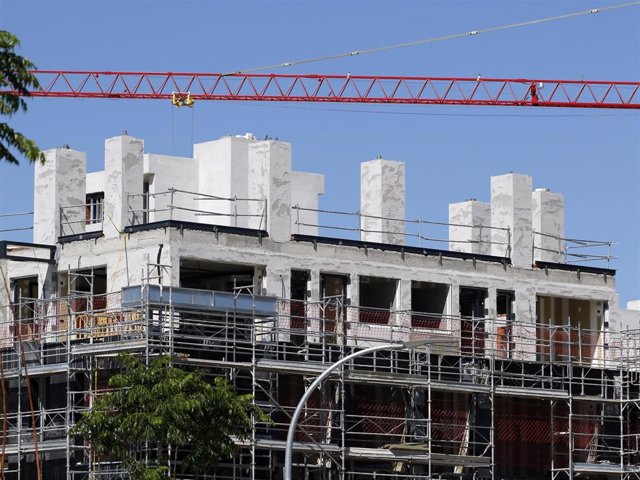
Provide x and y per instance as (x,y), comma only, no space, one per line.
(298,320)
(424,320)
(522,437)
(380,317)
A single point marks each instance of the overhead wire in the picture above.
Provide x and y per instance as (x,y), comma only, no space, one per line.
(426,41)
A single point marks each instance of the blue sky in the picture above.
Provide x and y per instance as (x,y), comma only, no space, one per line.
(592,156)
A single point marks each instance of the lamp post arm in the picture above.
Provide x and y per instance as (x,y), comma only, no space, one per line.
(296,414)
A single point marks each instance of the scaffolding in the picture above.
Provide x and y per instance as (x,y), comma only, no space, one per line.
(483,400)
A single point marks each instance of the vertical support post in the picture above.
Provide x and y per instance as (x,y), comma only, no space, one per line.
(429,410)
(235,210)
(171,199)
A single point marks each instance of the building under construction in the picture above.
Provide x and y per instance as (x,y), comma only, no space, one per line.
(226,262)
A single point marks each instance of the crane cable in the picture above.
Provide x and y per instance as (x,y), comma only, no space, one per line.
(434,39)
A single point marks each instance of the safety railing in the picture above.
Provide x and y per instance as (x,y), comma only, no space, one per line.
(411,232)
(556,249)
(79,218)
(183,205)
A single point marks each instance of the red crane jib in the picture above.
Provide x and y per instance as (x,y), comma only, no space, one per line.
(338,89)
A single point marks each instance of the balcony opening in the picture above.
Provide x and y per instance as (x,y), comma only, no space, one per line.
(429,303)
(299,295)
(25,295)
(504,317)
(472,313)
(333,290)
(222,277)
(568,327)
(377,298)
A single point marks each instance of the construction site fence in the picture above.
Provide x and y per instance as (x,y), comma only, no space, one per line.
(47,328)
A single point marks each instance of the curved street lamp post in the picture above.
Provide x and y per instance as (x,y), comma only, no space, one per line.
(296,414)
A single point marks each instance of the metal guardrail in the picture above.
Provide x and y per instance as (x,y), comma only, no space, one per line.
(415,232)
(175,204)
(572,250)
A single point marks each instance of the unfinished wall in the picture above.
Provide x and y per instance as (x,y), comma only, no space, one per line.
(223,172)
(59,182)
(305,190)
(382,194)
(123,164)
(469,230)
(164,172)
(548,225)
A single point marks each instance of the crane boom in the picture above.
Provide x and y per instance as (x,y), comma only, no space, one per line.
(339,89)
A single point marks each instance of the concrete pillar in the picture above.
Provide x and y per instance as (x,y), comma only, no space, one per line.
(124,170)
(382,194)
(59,182)
(313,307)
(403,306)
(305,190)
(353,297)
(524,328)
(223,165)
(511,208)
(269,177)
(474,238)
(548,223)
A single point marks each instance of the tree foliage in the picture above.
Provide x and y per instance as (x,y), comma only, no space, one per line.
(16,81)
(160,420)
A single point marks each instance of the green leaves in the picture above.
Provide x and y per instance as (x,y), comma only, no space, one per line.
(158,410)
(16,80)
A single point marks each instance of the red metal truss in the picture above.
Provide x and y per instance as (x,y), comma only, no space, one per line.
(340,88)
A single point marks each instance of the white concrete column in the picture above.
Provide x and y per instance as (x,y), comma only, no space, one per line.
(59,182)
(124,170)
(313,307)
(524,325)
(511,208)
(382,194)
(353,295)
(223,165)
(403,315)
(305,190)
(475,237)
(270,177)
(548,223)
